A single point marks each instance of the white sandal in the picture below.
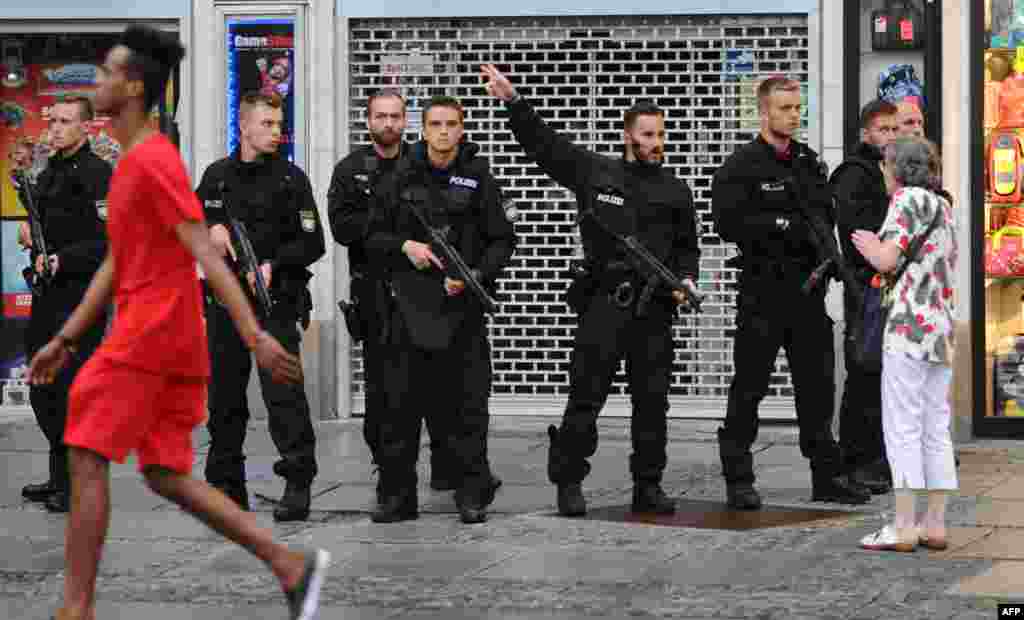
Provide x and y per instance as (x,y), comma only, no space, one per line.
(887,539)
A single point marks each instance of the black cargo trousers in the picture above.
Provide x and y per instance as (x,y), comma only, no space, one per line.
(606,334)
(772,313)
(290,424)
(454,382)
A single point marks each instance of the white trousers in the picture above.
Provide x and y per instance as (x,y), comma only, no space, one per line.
(915,423)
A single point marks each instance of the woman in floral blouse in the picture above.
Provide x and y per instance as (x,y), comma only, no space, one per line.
(917,351)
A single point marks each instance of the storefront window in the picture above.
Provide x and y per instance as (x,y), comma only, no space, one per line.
(36,71)
(1003,59)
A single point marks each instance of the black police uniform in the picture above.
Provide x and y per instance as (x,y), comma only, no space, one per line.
(71,197)
(761,200)
(274,199)
(438,344)
(353,184)
(862,203)
(629,197)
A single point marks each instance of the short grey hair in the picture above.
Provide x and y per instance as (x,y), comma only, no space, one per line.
(915,162)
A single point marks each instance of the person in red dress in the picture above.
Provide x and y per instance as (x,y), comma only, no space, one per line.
(144,388)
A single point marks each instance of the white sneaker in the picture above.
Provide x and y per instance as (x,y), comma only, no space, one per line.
(887,539)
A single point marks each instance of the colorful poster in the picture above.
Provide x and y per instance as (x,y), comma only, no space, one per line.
(261,58)
(17,299)
(25,114)
(17,305)
(13,363)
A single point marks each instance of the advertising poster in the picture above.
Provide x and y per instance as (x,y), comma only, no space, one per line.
(17,299)
(261,58)
(36,72)
(17,304)
(25,113)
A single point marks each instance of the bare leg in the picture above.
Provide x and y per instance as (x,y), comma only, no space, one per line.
(225,517)
(86,532)
(904,502)
(934,522)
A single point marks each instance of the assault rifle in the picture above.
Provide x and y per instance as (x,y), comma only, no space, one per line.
(454,263)
(651,269)
(246,255)
(832,265)
(37,282)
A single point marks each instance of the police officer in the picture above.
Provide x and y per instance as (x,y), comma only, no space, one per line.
(353,183)
(71,197)
(862,202)
(637,195)
(437,334)
(274,200)
(762,197)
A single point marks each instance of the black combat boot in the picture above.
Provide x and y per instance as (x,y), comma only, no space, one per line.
(570,495)
(742,496)
(59,502)
(570,500)
(39,492)
(473,505)
(294,504)
(838,489)
(396,505)
(875,483)
(738,469)
(649,497)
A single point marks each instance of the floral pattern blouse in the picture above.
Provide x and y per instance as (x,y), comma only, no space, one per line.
(921,316)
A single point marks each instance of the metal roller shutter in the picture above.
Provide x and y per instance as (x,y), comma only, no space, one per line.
(582,72)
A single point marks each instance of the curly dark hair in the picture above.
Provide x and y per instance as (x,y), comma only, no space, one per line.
(154,54)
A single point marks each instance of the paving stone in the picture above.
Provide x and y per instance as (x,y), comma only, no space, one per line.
(574,564)
(997,544)
(1002,579)
(424,561)
(526,562)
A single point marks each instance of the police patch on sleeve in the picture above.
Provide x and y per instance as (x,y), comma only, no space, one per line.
(511,212)
(101,210)
(213,204)
(308,220)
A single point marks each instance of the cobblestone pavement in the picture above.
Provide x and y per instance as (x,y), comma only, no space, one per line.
(527,563)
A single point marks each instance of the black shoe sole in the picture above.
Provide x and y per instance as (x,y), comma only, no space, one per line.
(666,510)
(572,513)
(58,508)
(841,499)
(297,516)
(473,519)
(743,507)
(395,518)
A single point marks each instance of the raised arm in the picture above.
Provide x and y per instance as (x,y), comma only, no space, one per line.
(555,154)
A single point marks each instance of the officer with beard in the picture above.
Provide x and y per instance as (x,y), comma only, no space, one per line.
(274,199)
(71,197)
(437,333)
(355,182)
(862,202)
(762,197)
(635,195)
